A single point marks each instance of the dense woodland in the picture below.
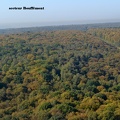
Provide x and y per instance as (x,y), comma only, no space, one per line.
(60,75)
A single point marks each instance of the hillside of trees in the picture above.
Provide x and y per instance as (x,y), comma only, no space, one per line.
(60,75)
(110,35)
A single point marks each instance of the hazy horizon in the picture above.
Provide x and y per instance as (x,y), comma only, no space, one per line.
(58,13)
(24,25)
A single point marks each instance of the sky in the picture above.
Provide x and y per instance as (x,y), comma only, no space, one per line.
(58,12)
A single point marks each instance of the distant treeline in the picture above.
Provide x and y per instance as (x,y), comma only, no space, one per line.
(82,27)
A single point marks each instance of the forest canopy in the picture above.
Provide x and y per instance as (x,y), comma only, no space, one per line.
(60,75)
